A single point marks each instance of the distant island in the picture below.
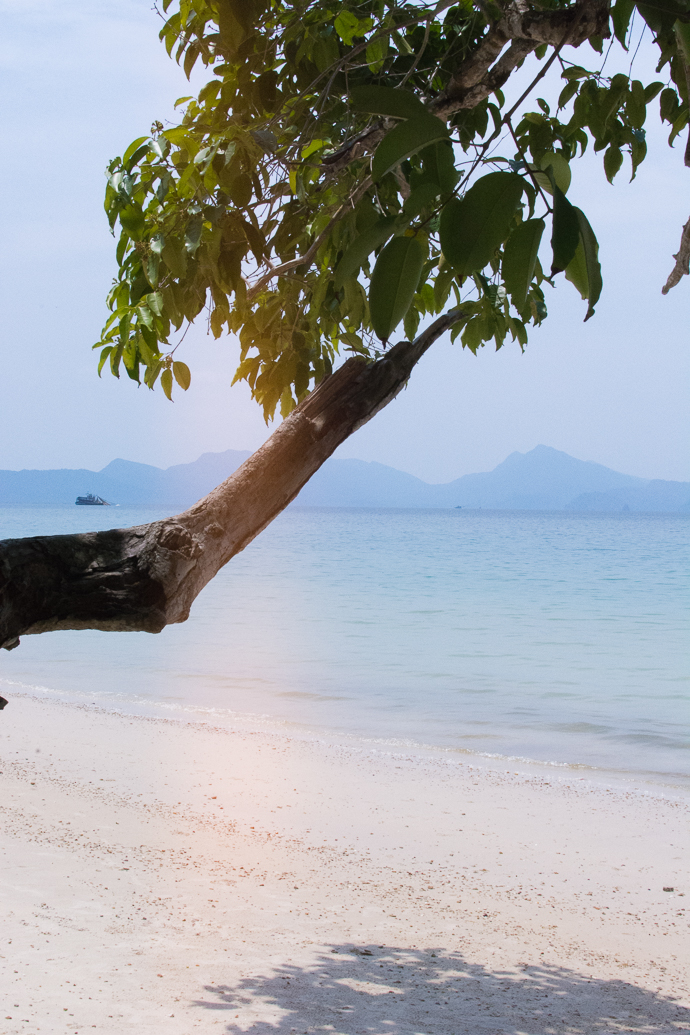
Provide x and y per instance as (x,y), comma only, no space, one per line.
(542,479)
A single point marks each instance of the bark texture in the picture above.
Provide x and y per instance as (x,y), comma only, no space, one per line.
(146,577)
(682,257)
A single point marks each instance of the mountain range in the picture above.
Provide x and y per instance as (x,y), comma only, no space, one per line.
(542,479)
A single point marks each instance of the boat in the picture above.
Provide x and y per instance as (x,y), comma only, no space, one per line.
(91,501)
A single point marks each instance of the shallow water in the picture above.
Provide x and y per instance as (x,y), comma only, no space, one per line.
(550,636)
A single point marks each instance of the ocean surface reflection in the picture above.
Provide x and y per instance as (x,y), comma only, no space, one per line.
(552,636)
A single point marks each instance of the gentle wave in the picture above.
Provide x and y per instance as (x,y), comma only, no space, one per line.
(672,784)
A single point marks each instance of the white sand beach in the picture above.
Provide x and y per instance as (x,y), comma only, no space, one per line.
(167,877)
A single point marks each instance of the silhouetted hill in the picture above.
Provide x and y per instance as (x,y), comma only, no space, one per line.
(124,481)
(543,479)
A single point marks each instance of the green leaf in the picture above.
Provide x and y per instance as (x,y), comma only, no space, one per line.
(346,25)
(313,147)
(652,89)
(132,220)
(155,303)
(473,228)
(567,93)
(232,24)
(122,246)
(668,104)
(420,198)
(132,148)
(679,124)
(411,323)
(613,159)
(182,374)
(520,259)
(145,316)
(442,286)
(576,271)
(661,14)
(256,240)
(160,148)
(404,140)
(192,235)
(178,135)
(167,382)
(438,164)
(151,268)
(376,54)
(384,100)
(566,231)
(103,357)
(151,375)
(353,259)
(138,155)
(175,257)
(591,251)
(636,108)
(401,43)
(560,168)
(240,189)
(266,90)
(394,283)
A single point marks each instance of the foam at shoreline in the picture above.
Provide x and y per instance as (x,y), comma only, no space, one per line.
(673,785)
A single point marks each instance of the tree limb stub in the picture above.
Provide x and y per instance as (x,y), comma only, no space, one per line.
(682,257)
(146,577)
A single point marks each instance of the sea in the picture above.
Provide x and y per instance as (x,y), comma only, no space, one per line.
(544,639)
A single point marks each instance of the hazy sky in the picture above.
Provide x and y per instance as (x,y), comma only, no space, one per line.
(82,78)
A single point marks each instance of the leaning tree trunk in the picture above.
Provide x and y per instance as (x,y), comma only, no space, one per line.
(143,578)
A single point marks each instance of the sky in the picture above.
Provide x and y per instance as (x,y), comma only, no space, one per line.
(82,78)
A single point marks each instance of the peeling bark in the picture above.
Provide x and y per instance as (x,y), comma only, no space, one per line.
(147,577)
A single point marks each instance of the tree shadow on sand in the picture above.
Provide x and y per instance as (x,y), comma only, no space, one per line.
(376,990)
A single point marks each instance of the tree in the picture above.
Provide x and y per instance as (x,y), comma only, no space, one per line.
(347,168)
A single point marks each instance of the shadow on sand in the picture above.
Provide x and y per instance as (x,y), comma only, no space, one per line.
(374,990)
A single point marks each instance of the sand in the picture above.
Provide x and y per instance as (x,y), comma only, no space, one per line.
(167,877)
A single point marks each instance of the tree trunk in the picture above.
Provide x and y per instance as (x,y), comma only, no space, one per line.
(143,578)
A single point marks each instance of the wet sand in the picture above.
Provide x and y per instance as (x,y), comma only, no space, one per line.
(166,877)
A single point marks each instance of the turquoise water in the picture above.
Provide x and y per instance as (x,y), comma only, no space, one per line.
(556,637)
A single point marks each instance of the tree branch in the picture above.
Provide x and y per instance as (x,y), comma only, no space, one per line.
(682,257)
(144,578)
(477,77)
(309,255)
(496,77)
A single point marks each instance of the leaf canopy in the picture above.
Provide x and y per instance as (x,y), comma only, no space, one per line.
(351,166)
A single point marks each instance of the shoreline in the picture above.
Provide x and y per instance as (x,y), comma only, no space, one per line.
(675,786)
(161,876)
